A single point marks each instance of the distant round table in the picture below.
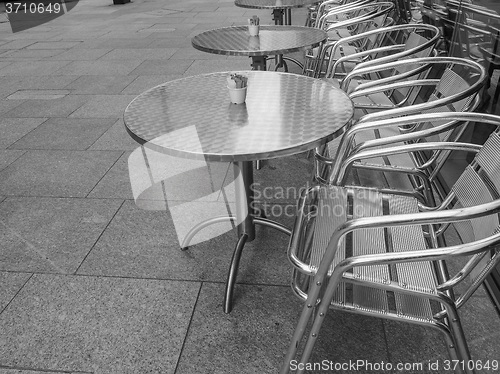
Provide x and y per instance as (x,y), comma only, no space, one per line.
(282,9)
(193,118)
(272,40)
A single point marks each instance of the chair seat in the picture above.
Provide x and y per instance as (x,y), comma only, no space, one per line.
(418,276)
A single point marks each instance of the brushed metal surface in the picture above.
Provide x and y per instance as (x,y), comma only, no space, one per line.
(283,114)
(272,40)
(274,4)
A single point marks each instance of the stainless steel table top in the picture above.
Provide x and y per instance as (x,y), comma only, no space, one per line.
(283,114)
(272,40)
(275,4)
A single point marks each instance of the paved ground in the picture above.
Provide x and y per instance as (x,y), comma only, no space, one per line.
(90,283)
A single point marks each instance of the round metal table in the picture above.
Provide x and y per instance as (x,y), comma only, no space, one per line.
(282,9)
(272,40)
(192,117)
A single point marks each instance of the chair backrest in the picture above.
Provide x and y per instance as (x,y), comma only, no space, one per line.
(327,6)
(384,45)
(355,18)
(491,52)
(455,89)
(439,81)
(478,184)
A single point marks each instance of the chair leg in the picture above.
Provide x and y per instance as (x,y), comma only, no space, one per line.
(460,344)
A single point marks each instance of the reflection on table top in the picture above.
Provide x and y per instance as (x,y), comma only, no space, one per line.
(283,114)
(274,4)
(272,40)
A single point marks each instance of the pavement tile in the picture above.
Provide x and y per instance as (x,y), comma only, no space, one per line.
(116,183)
(115,139)
(258,330)
(98,67)
(100,84)
(53,45)
(168,40)
(98,325)
(38,94)
(6,105)
(409,343)
(40,82)
(104,106)
(158,67)
(189,53)
(62,107)
(481,327)
(144,243)
(72,134)
(209,66)
(11,284)
(138,54)
(13,129)
(8,156)
(30,371)
(30,54)
(81,54)
(56,173)
(114,43)
(24,68)
(50,234)
(145,82)
(282,180)
(17,44)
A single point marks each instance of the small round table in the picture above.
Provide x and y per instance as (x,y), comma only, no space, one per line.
(272,40)
(192,117)
(282,9)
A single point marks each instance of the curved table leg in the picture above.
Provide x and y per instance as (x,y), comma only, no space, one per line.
(233,273)
(202,225)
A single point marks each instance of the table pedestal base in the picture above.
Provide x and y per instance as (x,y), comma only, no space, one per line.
(246,229)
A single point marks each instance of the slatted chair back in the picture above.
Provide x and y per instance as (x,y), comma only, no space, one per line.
(381,46)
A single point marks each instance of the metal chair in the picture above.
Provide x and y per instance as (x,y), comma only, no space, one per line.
(363,251)
(380,109)
(346,21)
(377,47)
(491,55)
(313,10)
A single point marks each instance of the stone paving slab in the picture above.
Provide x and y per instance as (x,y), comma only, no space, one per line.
(98,325)
(100,84)
(257,331)
(11,284)
(81,54)
(23,68)
(72,134)
(9,156)
(13,129)
(20,371)
(103,106)
(36,108)
(56,173)
(144,82)
(98,67)
(115,139)
(50,235)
